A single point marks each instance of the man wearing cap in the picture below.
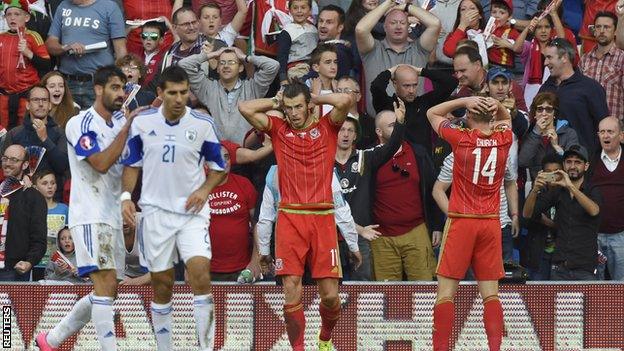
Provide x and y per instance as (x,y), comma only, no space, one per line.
(22,57)
(577,206)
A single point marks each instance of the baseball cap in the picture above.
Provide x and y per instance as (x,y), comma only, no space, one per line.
(577,150)
(231,149)
(497,71)
(507,3)
(20,4)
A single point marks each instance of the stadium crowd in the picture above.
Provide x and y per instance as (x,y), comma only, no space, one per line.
(557,66)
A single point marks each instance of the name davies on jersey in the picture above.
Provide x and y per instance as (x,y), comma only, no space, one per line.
(487,142)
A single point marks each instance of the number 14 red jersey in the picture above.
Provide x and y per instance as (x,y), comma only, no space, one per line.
(478,169)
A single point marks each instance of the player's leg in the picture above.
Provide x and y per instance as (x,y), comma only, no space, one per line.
(492,313)
(293,311)
(162,285)
(104,291)
(444,312)
(193,243)
(75,320)
(329,308)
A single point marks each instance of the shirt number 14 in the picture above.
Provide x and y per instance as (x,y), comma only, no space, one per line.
(489,167)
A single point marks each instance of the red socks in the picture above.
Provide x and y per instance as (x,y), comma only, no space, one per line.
(295,325)
(493,320)
(443,317)
(329,318)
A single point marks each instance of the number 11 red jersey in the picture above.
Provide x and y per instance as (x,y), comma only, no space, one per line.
(478,169)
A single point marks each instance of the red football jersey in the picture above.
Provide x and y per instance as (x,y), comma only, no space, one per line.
(305,160)
(478,169)
(14,79)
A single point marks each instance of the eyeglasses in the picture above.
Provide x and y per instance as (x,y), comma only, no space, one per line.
(227,62)
(347,91)
(187,25)
(129,68)
(151,36)
(11,159)
(547,109)
(38,100)
(396,168)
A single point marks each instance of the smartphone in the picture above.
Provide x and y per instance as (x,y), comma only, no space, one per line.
(550,177)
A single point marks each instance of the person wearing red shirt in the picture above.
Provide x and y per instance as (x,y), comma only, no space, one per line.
(304,147)
(23,55)
(592,8)
(154,48)
(144,10)
(232,204)
(503,51)
(472,232)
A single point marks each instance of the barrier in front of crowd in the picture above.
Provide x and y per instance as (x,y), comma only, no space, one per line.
(375,317)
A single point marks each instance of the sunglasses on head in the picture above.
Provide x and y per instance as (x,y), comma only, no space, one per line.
(397,168)
(152,36)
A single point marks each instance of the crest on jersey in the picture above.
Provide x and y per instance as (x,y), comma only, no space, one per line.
(314,133)
(344,183)
(86,142)
(191,135)
(354,167)
(279,264)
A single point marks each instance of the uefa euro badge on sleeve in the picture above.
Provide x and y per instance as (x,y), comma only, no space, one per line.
(35,155)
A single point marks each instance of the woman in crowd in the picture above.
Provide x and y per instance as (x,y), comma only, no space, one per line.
(63,105)
(469,19)
(357,10)
(547,133)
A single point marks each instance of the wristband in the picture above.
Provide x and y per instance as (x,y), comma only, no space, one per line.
(125,196)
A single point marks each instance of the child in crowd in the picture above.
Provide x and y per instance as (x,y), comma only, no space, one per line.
(322,78)
(296,42)
(62,265)
(45,182)
(502,52)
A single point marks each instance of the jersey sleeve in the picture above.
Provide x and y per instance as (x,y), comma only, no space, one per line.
(132,155)
(37,45)
(451,133)
(333,127)
(274,124)
(83,137)
(211,149)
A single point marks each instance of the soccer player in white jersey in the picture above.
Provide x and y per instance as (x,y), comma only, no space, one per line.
(97,137)
(171,144)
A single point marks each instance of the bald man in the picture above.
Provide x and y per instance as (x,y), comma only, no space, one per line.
(25,241)
(405,83)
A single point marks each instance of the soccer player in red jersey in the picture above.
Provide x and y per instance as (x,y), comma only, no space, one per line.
(472,232)
(305,148)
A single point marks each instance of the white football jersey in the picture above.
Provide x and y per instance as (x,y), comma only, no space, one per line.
(94,197)
(172,157)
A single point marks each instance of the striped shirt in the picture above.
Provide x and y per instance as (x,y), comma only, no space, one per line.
(609,72)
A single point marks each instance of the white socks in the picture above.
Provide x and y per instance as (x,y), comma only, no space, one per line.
(102,317)
(77,318)
(161,319)
(203,308)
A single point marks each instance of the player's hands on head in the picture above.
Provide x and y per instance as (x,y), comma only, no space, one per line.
(355,260)
(476,104)
(492,105)
(128,212)
(196,201)
(399,110)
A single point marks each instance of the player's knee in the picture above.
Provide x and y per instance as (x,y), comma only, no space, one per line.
(330,301)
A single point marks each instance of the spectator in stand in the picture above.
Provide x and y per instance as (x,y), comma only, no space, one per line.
(591,9)
(355,169)
(469,17)
(60,270)
(396,48)
(447,15)
(619,36)
(23,59)
(324,68)
(39,129)
(222,96)
(403,248)
(76,24)
(228,8)
(25,218)
(211,25)
(541,233)
(154,47)
(62,103)
(356,11)
(405,82)
(605,62)
(582,100)
(134,69)
(367,137)
(330,27)
(296,42)
(472,76)
(45,182)
(147,10)
(549,133)
(608,177)
(232,204)
(577,205)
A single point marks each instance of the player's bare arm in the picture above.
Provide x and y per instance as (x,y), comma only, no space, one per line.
(500,112)
(439,114)
(129,179)
(254,111)
(197,199)
(342,104)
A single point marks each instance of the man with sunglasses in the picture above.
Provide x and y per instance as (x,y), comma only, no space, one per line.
(403,248)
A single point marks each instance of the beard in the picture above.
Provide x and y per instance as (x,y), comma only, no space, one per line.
(576,175)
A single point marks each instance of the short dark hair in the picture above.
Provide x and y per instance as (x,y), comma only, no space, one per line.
(501,5)
(42,173)
(38,86)
(292,1)
(552,157)
(563,47)
(315,56)
(104,74)
(156,25)
(608,14)
(174,17)
(174,74)
(544,97)
(209,5)
(296,88)
(335,8)
(472,54)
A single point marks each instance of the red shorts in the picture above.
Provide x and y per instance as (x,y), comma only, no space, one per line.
(310,239)
(472,242)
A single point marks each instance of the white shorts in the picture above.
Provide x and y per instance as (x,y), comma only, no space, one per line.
(165,237)
(98,247)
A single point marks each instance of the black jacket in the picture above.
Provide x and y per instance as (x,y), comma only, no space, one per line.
(27,227)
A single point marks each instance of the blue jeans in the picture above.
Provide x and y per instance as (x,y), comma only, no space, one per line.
(364,272)
(508,243)
(11,275)
(543,271)
(560,272)
(612,246)
(82,92)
